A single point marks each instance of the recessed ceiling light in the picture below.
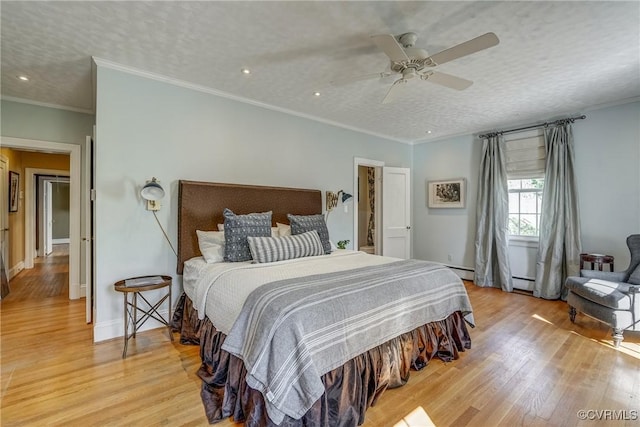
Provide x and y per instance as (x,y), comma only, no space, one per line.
(23,78)
(316,93)
(428,131)
(245,71)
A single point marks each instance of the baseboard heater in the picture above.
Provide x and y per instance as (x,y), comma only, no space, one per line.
(521,283)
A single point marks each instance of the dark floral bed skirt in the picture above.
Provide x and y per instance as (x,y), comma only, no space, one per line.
(349,389)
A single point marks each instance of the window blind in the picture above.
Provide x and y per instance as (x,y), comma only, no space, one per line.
(525,155)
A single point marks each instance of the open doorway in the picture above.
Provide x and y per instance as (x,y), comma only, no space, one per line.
(53,212)
(368,202)
(23,233)
(367,226)
(387,203)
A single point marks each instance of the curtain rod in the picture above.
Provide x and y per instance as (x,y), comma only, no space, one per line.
(545,124)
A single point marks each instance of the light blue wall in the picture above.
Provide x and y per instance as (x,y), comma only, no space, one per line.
(29,121)
(147,128)
(439,232)
(607,146)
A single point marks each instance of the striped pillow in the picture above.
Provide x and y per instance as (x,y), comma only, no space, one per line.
(271,249)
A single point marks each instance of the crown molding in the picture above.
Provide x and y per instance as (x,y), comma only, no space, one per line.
(46,104)
(477,132)
(181,83)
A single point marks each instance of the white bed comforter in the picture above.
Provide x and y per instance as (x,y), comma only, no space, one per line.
(219,290)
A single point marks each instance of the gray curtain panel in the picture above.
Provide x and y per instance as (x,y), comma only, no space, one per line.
(559,243)
(492,237)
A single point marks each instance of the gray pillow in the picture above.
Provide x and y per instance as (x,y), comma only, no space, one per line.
(303,223)
(236,230)
(634,278)
(272,249)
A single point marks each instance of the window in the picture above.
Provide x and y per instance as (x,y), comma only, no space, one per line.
(525,202)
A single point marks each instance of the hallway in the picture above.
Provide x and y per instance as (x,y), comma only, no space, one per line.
(49,278)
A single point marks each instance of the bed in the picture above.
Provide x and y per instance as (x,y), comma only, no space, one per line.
(312,340)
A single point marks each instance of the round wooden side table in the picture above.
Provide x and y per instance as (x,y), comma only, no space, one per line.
(135,287)
(599,259)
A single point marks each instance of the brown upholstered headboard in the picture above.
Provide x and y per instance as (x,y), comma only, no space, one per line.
(200,206)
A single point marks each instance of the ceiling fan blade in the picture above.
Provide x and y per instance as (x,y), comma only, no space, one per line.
(447,80)
(484,41)
(351,79)
(391,47)
(395,91)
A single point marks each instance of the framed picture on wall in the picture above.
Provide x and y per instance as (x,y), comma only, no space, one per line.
(14,190)
(449,193)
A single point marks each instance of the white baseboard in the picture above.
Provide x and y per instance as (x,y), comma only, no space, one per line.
(110,329)
(83,290)
(74,290)
(463,273)
(60,241)
(524,284)
(521,283)
(16,269)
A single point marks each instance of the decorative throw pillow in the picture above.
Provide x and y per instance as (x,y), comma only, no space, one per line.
(236,230)
(272,249)
(634,278)
(211,245)
(303,223)
(283,229)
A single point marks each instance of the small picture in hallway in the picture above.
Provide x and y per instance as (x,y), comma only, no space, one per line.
(446,194)
(14,190)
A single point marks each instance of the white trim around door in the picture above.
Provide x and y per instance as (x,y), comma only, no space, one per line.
(74,151)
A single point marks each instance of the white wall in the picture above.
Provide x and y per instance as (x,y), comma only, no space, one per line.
(607,145)
(148,128)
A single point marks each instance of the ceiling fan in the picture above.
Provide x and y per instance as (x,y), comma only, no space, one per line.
(415,63)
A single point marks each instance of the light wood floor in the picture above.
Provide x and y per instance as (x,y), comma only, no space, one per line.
(528,366)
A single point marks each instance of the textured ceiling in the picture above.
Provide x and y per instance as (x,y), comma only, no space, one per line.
(554,58)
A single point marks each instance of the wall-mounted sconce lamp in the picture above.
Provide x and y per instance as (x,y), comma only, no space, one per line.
(153,192)
(332,199)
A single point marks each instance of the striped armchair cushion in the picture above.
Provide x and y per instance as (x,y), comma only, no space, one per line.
(271,249)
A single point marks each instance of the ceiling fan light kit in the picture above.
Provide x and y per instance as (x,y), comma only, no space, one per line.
(413,63)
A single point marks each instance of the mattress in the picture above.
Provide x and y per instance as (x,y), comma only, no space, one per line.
(219,290)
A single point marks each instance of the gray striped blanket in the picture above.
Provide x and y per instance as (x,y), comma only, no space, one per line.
(290,332)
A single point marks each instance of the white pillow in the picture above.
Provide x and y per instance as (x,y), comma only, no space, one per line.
(283,229)
(211,245)
(220,227)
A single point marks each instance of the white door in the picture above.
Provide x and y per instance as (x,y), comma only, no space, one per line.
(4,218)
(48,218)
(396,212)
(88,240)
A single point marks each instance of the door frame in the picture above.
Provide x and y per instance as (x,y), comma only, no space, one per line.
(75,165)
(4,218)
(359,161)
(42,182)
